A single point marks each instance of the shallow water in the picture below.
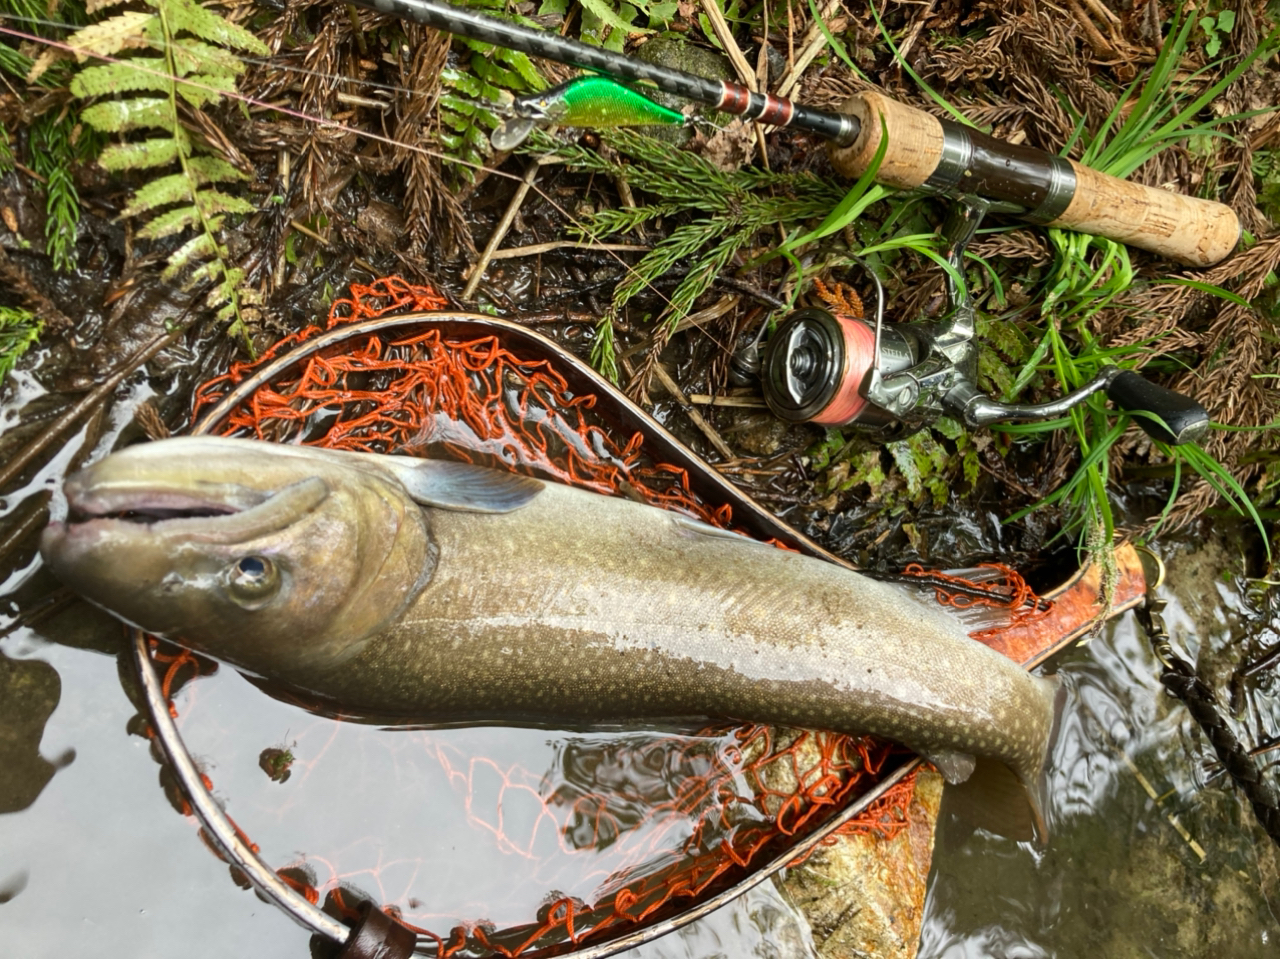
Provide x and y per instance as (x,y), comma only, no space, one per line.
(98,857)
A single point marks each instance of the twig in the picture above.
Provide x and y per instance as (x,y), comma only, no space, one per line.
(303,228)
(910,41)
(68,419)
(740,66)
(32,515)
(813,43)
(731,49)
(716,310)
(707,429)
(745,402)
(357,101)
(535,248)
(500,233)
(1102,13)
(549,318)
(1101,46)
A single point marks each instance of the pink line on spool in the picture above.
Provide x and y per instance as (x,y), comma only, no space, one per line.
(859,356)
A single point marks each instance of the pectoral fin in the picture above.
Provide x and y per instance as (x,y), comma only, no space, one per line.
(443,484)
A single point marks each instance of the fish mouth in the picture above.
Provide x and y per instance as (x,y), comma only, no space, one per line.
(219,513)
(151,503)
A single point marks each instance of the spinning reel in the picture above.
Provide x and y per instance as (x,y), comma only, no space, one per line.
(840,371)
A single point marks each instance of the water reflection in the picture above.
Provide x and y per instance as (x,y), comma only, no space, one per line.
(29,692)
(1144,860)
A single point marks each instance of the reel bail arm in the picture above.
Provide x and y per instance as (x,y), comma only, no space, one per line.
(1171,417)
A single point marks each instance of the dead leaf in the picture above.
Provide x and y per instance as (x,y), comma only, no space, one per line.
(728,149)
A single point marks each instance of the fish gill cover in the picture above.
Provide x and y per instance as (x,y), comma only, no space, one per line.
(744,793)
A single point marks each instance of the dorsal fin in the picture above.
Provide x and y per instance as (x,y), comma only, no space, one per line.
(444,484)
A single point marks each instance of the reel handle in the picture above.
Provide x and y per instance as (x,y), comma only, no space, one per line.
(946,157)
(1186,420)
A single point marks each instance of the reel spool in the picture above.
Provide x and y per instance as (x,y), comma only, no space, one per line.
(817,369)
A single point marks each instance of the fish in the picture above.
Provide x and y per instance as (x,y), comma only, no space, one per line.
(441,591)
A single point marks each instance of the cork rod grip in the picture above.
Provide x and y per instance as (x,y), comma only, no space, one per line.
(1186,229)
(923,151)
(915,142)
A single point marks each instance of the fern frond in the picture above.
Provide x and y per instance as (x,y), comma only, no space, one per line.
(109,37)
(180,187)
(603,11)
(193,56)
(125,76)
(211,169)
(93,6)
(118,116)
(202,246)
(174,221)
(193,18)
(493,70)
(139,155)
(209,204)
(196,67)
(205,88)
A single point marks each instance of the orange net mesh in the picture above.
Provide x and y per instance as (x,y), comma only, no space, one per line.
(472,399)
(1005,589)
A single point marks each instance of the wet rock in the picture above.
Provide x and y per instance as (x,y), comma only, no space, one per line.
(761,434)
(382,223)
(864,896)
(674,51)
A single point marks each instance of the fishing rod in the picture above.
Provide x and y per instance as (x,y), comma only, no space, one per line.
(923,152)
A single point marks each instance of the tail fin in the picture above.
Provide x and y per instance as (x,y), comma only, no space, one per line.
(1010,802)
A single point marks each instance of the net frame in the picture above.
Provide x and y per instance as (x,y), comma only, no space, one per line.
(216,401)
(689,485)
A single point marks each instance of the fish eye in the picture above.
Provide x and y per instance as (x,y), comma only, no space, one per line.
(252,579)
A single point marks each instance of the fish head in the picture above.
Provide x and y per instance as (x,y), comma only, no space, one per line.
(269,557)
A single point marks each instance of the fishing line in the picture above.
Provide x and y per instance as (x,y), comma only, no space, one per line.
(324,123)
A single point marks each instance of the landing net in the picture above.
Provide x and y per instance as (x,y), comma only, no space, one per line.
(425,392)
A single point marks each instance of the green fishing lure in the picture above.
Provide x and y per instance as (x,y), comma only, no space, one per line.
(592,102)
